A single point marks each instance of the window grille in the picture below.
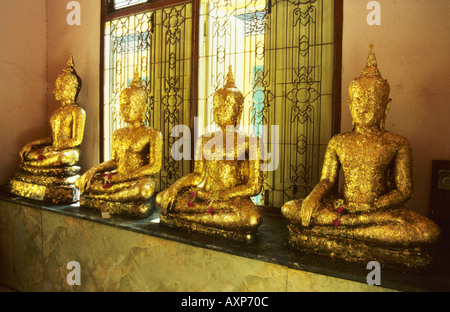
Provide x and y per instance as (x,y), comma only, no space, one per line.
(283,54)
(158,43)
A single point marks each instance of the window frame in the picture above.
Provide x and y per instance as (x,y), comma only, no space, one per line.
(150,5)
(159,4)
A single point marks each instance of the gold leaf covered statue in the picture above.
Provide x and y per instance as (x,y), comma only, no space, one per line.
(367,220)
(125,184)
(215,198)
(49,165)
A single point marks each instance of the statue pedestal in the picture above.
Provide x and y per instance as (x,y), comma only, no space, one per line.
(54,190)
(173,221)
(358,251)
(136,210)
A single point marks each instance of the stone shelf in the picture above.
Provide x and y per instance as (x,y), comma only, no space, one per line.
(125,254)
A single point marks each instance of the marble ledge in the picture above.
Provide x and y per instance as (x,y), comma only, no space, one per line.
(270,249)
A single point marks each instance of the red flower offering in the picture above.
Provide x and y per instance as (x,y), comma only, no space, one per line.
(340,210)
(211,210)
(336,222)
(190,204)
(41,157)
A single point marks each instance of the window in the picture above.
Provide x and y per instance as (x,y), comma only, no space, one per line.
(158,43)
(283,53)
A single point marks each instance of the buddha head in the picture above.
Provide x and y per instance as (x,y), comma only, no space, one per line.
(67,84)
(228,103)
(369,95)
(133,102)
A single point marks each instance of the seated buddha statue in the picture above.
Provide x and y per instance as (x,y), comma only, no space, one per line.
(367,219)
(48,166)
(215,198)
(125,184)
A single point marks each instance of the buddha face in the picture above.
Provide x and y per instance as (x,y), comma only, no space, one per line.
(226,110)
(133,106)
(367,104)
(66,88)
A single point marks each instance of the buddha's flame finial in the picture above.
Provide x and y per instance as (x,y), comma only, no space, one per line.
(371,59)
(136,82)
(371,64)
(70,62)
(230,83)
(70,66)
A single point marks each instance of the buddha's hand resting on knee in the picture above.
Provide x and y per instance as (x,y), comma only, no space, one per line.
(168,198)
(307,210)
(83,183)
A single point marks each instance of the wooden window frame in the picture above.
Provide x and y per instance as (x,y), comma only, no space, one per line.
(159,4)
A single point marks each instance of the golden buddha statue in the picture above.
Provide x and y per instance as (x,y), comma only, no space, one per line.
(125,185)
(49,165)
(367,220)
(215,198)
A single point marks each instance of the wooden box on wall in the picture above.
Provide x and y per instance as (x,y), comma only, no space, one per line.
(440,193)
